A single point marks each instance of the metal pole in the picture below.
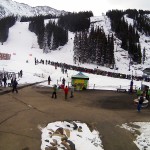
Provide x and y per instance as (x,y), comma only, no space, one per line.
(129,62)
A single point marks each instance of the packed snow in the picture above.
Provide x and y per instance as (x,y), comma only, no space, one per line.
(23,47)
(143,138)
(78,133)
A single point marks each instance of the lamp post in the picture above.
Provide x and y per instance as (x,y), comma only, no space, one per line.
(130,56)
(129,66)
(129,62)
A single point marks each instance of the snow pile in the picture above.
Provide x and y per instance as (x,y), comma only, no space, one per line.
(143,140)
(74,135)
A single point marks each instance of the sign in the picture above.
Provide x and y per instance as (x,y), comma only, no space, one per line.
(5,56)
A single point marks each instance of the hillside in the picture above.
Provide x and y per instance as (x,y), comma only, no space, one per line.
(122,57)
(122,62)
(23,47)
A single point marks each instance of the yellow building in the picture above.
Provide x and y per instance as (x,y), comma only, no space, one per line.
(80,81)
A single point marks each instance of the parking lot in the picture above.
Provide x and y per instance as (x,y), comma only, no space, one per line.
(23,114)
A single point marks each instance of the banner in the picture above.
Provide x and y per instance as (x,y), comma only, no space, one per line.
(5,56)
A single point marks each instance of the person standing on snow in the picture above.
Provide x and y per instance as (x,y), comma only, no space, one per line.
(12,80)
(63,81)
(5,81)
(21,73)
(49,79)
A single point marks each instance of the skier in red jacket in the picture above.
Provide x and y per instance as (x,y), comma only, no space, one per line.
(66,92)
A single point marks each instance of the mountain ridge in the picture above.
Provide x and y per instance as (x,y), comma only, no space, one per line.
(105,23)
(9,8)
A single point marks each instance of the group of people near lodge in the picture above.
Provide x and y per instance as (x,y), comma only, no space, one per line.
(13,82)
(142,96)
(65,88)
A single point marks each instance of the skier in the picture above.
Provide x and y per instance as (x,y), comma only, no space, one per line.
(66,92)
(49,79)
(5,81)
(21,73)
(63,81)
(12,80)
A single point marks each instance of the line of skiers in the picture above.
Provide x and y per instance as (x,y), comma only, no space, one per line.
(97,71)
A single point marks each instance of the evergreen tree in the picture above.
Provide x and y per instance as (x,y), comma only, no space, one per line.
(5,24)
(126,33)
(75,21)
(45,43)
(37,26)
(112,59)
(94,47)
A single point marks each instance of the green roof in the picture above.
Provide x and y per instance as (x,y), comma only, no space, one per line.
(80,75)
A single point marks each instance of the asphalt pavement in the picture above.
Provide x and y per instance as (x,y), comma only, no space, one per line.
(25,113)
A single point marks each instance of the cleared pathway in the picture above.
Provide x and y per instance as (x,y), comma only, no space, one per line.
(22,114)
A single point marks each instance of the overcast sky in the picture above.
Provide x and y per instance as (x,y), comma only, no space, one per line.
(96,6)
